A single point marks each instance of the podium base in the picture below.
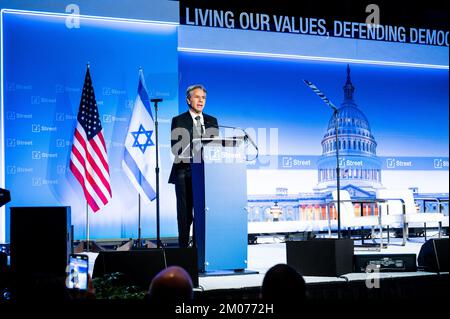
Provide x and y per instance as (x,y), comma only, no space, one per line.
(235,272)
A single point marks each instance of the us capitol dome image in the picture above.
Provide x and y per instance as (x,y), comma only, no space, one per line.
(360,173)
(360,168)
(359,164)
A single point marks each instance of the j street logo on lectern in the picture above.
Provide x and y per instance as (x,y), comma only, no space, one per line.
(213,155)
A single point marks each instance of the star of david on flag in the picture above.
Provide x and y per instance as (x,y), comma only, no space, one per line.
(139,158)
(144,141)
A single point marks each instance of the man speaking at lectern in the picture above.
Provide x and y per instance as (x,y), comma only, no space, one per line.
(186,126)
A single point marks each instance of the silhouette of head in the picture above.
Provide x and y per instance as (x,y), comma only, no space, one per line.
(282,282)
(171,284)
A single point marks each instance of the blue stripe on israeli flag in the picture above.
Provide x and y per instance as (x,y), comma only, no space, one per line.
(139,160)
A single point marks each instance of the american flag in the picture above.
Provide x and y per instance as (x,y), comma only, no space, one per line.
(88,159)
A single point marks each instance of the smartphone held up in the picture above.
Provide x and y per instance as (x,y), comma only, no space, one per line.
(77,272)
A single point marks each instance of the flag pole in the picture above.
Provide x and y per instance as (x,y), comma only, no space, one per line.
(87,227)
(87,206)
(158,236)
(139,221)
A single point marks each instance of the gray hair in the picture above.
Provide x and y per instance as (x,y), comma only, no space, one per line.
(192,88)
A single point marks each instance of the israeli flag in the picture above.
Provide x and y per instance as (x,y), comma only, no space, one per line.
(139,158)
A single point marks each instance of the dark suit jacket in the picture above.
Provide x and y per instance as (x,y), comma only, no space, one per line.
(181,139)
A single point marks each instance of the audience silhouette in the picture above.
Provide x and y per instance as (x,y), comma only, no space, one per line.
(171,284)
(283,283)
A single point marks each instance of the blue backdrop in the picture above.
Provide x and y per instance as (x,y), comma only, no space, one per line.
(44,69)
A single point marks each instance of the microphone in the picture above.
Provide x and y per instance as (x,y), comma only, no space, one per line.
(246,136)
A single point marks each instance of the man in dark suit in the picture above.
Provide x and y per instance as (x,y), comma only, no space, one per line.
(185,127)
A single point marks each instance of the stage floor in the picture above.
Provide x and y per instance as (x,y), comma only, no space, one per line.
(263,256)
(271,250)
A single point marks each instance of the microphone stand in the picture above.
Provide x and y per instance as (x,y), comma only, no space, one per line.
(158,236)
(336,127)
(338,177)
(246,136)
(338,170)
